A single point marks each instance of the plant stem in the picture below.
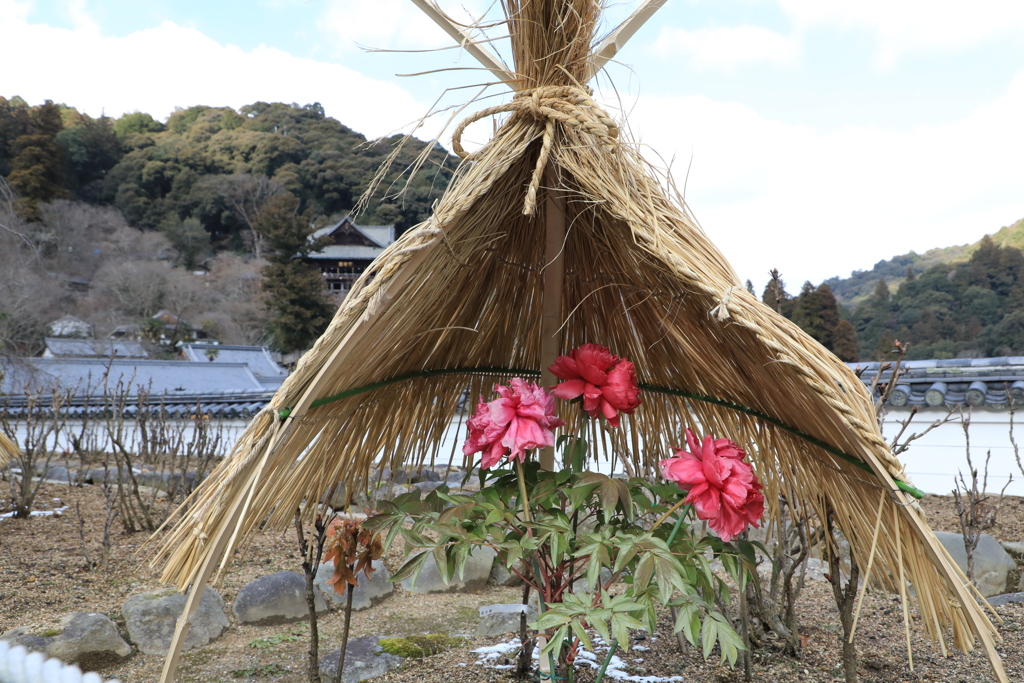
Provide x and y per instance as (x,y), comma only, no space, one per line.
(522,490)
(675,529)
(607,660)
(668,513)
(344,634)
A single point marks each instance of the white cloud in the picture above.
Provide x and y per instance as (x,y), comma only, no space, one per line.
(727,47)
(13,10)
(819,204)
(389,24)
(157,69)
(915,26)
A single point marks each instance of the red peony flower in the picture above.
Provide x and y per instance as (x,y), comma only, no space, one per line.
(722,486)
(521,419)
(606,382)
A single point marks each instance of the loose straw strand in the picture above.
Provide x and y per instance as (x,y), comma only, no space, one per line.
(903,583)
(871,560)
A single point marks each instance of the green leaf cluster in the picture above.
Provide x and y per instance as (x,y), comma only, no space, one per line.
(579,523)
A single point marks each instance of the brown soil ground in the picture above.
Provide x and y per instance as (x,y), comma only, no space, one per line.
(43,577)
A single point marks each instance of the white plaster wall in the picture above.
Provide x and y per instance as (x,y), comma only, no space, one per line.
(933,461)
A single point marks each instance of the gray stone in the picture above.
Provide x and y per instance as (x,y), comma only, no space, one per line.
(89,640)
(1005,599)
(151,617)
(275,599)
(477,571)
(498,619)
(992,564)
(582,585)
(335,497)
(454,479)
(368,593)
(501,576)
(61,474)
(21,636)
(414,476)
(364,660)
(1015,550)
(426,486)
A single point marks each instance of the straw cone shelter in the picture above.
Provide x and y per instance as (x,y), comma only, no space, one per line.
(8,450)
(554,234)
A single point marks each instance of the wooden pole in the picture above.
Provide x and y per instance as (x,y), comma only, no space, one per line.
(554,268)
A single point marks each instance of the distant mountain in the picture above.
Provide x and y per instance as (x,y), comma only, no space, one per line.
(852,290)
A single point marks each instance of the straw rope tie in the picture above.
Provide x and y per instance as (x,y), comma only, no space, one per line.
(571,106)
(721,311)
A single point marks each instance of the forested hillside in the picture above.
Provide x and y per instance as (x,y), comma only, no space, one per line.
(113,220)
(958,302)
(851,291)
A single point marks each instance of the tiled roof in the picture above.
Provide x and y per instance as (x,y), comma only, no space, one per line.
(258,359)
(974,382)
(89,377)
(69,347)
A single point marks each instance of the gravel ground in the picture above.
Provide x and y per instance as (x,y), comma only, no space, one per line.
(43,577)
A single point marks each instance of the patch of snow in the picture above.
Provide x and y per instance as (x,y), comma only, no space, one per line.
(616,670)
(38,513)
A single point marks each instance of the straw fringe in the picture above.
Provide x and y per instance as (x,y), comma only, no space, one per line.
(464,290)
(8,450)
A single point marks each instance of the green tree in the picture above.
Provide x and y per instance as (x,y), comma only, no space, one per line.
(884,347)
(806,312)
(296,296)
(776,296)
(37,168)
(135,123)
(1006,338)
(91,148)
(188,237)
(844,342)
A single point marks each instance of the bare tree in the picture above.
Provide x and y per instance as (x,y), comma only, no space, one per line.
(247,194)
(36,425)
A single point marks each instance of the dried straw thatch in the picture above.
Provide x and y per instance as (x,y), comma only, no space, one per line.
(8,450)
(459,302)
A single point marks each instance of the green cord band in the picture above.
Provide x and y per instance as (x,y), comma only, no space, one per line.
(857,462)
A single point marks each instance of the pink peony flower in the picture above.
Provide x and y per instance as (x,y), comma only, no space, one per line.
(606,382)
(520,419)
(722,486)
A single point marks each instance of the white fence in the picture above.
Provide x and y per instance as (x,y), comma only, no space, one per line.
(19,666)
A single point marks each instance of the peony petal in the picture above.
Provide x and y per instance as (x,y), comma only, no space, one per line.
(564,367)
(570,389)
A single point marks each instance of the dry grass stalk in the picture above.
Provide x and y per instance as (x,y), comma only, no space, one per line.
(8,450)
(463,291)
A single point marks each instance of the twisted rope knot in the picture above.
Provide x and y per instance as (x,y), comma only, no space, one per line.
(569,105)
(721,311)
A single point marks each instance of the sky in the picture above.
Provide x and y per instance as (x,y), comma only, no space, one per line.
(812,136)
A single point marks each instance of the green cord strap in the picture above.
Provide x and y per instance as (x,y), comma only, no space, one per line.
(857,462)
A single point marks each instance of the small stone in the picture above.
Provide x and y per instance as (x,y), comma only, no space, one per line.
(61,474)
(582,585)
(501,576)
(275,599)
(368,593)
(89,639)
(1005,599)
(151,618)
(1016,550)
(477,572)
(364,659)
(992,564)
(498,619)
